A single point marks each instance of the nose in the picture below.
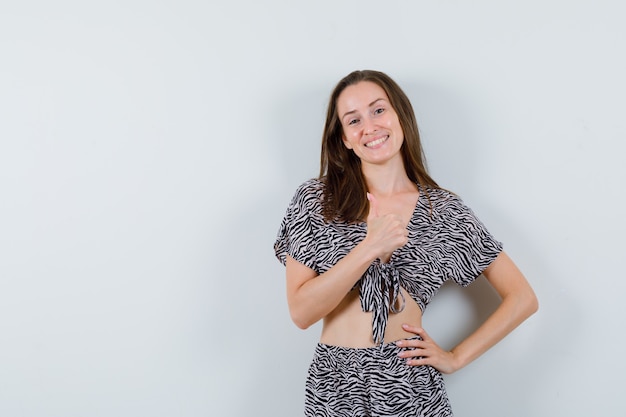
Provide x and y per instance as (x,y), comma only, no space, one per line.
(369,126)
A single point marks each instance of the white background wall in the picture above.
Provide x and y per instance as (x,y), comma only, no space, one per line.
(148,150)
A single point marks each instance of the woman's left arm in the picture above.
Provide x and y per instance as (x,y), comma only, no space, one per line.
(518,303)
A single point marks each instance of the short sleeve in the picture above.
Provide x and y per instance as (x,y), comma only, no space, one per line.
(296,234)
(469,247)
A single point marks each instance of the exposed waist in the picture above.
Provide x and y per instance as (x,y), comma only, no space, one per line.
(354,329)
(350,354)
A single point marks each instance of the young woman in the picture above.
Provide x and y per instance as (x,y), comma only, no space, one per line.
(367,244)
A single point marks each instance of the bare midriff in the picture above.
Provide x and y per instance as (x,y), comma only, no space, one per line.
(349,326)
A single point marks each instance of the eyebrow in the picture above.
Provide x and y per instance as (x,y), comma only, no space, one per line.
(354,111)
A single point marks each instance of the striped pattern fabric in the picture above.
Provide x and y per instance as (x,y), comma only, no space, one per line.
(446,242)
(372,382)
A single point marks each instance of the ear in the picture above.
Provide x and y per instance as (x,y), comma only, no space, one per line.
(345,141)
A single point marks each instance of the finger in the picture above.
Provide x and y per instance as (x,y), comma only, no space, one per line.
(414,329)
(373,206)
(408,356)
(412,350)
(419,361)
(412,342)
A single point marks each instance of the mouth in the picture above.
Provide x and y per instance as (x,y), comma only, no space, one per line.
(376,142)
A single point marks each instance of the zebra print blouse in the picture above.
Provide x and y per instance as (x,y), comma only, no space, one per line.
(448,243)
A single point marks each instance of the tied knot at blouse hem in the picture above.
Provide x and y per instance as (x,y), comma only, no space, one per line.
(380,294)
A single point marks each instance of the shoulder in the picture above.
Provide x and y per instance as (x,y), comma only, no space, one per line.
(308,195)
(313,186)
(441,199)
(311,189)
(446,205)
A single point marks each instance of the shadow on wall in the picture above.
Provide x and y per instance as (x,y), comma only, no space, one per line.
(266,355)
(260,351)
(455,312)
(453,143)
(448,132)
(517,370)
(299,121)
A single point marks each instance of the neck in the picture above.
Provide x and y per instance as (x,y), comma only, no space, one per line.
(385,180)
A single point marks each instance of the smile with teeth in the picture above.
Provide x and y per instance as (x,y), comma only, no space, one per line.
(376,142)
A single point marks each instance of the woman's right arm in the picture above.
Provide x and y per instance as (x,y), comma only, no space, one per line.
(312,297)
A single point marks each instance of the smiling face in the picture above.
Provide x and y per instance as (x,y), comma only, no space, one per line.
(370,124)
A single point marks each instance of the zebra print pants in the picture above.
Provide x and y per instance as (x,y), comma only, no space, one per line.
(372,382)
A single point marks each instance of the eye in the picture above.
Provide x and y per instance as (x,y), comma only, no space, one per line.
(379,110)
(352,122)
